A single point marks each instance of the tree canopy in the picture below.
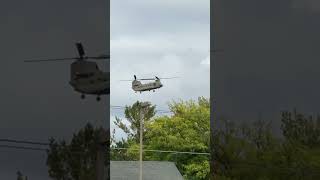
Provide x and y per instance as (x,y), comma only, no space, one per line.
(186,130)
(76,160)
(252,151)
(238,151)
(133,115)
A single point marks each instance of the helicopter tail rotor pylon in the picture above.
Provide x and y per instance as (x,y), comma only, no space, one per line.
(80,50)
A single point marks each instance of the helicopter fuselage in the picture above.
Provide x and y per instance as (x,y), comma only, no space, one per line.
(97,84)
(137,86)
(86,78)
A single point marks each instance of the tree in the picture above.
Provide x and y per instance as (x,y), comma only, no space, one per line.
(252,152)
(120,150)
(187,130)
(299,128)
(132,114)
(76,160)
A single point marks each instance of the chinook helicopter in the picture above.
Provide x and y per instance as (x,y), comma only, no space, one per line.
(85,76)
(137,86)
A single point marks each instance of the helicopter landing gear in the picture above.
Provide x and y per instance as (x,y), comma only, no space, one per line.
(98,98)
(83,96)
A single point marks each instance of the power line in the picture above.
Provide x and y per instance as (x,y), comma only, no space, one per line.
(158,111)
(123,107)
(164,151)
(146,150)
(23,147)
(24,142)
(46,144)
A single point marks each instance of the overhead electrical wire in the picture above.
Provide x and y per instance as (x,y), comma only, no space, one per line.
(23,148)
(158,111)
(145,150)
(47,144)
(23,142)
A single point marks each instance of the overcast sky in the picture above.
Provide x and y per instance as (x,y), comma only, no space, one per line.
(36,99)
(161,38)
(271,59)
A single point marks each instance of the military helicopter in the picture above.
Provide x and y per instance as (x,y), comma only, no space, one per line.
(86,77)
(137,86)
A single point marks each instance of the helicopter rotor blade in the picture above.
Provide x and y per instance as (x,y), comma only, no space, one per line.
(147,79)
(102,57)
(80,49)
(47,60)
(157,78)
(169,78)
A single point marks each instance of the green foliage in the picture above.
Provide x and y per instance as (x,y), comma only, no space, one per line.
(187,130)
(251,152)
(299,128)
(197,170)
(133,115)
(238,152)
(77,159)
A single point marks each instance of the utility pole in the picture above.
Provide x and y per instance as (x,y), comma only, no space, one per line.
(101,153)
(142,111)
(141,142)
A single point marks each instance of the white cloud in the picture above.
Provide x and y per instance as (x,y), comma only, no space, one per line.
(155,60)
(140,17)
(175,3)
(159,38)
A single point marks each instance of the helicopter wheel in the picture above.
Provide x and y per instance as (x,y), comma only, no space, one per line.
(83,96)
(154,91)
(98,98)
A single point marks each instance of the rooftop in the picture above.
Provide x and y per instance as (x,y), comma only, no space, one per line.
(152,170)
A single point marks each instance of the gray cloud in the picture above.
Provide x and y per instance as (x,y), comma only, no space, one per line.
(162,38)
(270,61)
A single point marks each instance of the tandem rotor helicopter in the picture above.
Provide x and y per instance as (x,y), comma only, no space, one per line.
(137,86)
(85,76)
